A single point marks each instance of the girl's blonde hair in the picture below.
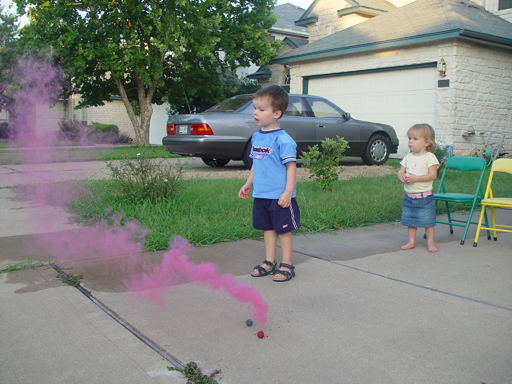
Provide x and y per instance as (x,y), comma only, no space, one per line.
(427,132)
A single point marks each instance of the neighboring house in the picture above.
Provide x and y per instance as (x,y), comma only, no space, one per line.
(292,35)
(384,68)
(4,116)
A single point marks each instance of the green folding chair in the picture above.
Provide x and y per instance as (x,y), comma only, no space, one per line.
(463,164)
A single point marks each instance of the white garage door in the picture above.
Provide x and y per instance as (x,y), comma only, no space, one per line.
(399,98)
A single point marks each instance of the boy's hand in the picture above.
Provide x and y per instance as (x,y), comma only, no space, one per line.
(244,192)
(285,199)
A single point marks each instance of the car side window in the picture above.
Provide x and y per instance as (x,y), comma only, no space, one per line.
(295,108)
(322,109)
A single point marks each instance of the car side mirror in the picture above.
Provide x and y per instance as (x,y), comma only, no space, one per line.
(346,115)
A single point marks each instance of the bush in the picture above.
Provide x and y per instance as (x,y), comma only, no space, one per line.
(72,131)
(143,179)
(442,154)
(324,165)
(6,132)
(103,133)
(96,133)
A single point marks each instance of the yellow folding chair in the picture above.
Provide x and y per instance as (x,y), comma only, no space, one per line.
(489,200)
(463,164)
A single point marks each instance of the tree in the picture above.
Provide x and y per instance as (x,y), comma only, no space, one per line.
(228,86)
(8,38)
(142,49)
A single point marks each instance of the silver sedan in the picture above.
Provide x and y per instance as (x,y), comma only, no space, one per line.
(223,132)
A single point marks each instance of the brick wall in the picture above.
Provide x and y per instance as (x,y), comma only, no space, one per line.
(112,113)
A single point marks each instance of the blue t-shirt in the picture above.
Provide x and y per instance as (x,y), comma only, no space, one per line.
(270,151)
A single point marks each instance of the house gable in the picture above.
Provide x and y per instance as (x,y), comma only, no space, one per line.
(325,17)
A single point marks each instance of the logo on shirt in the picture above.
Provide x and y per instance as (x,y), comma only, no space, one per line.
(258,153)
(261,150)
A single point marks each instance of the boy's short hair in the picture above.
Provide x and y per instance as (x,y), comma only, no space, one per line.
(278,97)
(427,132)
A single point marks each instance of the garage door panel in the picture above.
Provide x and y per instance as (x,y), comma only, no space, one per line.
(398,98)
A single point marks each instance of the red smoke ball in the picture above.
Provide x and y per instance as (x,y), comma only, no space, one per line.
(260,334)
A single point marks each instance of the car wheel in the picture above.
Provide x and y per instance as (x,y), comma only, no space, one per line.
(377,150)
(216,163)
(246,158)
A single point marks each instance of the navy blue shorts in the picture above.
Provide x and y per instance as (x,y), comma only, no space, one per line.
(419,213)
(267,215)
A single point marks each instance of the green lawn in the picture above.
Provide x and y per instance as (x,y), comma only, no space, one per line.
(209,211)
(77,153)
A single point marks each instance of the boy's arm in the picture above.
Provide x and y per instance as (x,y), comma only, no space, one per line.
(246,189)
(291,174)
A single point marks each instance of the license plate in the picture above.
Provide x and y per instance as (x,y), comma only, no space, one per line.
(182,129)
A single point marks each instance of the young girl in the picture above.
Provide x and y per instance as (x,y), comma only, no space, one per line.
(418,171)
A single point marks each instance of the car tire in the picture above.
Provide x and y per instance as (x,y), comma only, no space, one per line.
(215,163)
(246,158)
(377,150)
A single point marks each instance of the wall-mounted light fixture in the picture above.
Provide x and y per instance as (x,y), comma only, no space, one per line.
(441,67)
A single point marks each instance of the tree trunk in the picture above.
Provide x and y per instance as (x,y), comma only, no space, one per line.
(141,128)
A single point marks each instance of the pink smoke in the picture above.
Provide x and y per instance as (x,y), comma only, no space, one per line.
(176,266)
(41,85)
(151,281)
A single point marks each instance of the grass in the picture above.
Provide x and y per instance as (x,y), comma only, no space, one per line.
(99,153)
(21,266)
(209,211)
(194,375)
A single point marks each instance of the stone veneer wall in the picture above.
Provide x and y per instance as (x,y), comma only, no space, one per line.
(480,95)
(480,91)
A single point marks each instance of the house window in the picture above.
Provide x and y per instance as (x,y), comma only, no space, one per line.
(286,79)
(504,4)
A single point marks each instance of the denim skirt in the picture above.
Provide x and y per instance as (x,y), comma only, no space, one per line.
(419,213)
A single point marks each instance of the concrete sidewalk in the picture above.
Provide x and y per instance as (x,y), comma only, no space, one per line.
(360,310)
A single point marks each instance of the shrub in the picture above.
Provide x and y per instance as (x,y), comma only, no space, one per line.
(442,154)
(72,131)
(143,179)
(323,165)
(6,131)
(103,133)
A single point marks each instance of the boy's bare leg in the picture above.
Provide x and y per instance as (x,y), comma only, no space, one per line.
(411,234)
(270,238)
(286,248)
(431,246)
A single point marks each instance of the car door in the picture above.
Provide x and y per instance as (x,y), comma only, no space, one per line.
(330,122)
(299,124)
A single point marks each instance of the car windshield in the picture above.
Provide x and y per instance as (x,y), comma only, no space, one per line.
(230,105)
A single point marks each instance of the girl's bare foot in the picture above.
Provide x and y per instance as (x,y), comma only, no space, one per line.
(408,246)
(431,248)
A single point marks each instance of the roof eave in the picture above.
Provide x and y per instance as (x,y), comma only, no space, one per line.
(487,38)
(288,32)
(396,43)
(308,20)
(360,10)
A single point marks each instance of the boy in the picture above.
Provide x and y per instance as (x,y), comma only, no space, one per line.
(275,210)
